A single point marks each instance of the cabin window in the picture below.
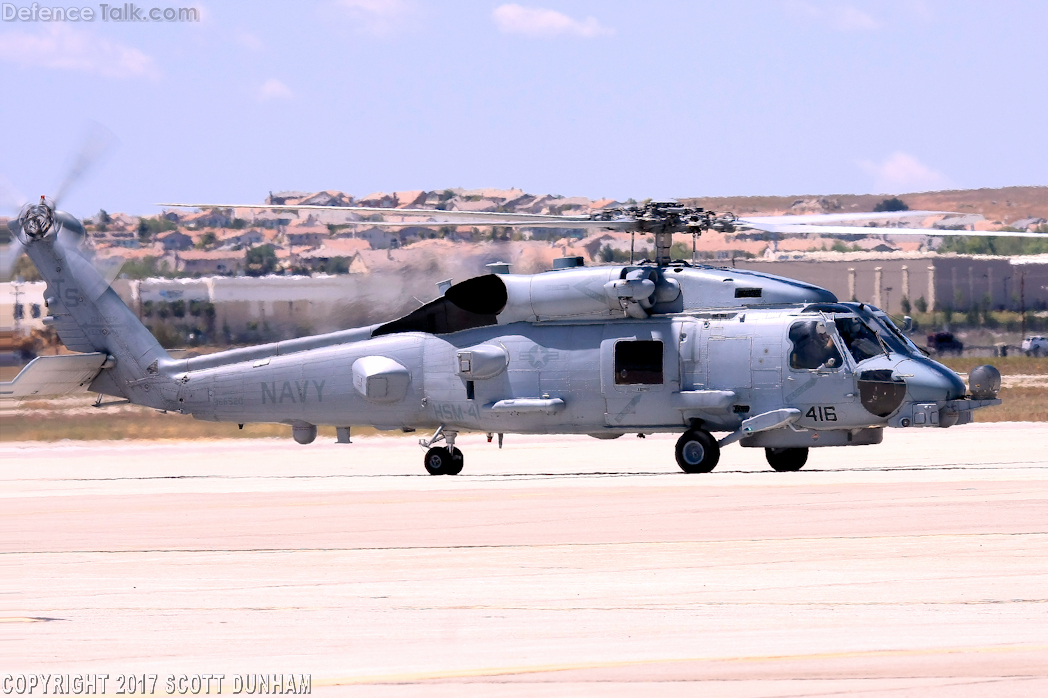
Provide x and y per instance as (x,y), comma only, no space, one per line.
(813,346)
(638,363)
(860,339)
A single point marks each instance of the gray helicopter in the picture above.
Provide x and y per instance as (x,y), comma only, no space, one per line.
(602,351)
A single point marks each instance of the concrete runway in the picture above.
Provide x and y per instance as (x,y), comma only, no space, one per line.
(557,566)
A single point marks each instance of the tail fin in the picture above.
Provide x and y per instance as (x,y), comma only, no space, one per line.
(90,317)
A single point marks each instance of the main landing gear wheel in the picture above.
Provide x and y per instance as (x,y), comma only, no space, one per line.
(442,461)
(697,451)
(786,460)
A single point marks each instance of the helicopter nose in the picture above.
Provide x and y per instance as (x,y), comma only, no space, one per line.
(929,381)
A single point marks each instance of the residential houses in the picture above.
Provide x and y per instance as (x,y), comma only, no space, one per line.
(215,241)
(205,262)
(172,240)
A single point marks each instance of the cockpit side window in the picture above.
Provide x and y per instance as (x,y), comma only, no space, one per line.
(861,341)
(813,346)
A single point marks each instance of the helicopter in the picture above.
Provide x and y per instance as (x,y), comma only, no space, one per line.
(602,351)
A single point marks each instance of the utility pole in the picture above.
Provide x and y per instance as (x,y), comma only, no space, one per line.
(1022,301)
(17,285)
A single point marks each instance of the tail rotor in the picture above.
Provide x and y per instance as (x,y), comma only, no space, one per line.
(41,219)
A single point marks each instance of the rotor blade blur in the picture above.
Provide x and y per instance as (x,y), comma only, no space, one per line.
(108,268)
(97,142)
(9,255)
(69,245)
(11,199)
(866,230)
(370,210)
(567,224)
(841,217)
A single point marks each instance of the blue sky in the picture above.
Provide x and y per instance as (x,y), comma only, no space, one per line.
(615,99)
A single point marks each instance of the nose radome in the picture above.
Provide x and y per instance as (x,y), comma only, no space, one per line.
(928,381)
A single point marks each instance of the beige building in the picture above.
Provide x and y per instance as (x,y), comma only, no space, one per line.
(943,281)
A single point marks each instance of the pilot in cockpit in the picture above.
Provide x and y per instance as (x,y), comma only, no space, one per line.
(813,346)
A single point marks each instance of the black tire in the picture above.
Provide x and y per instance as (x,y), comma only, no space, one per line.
(697,451)
(438,461)
(457,461)
(786,460)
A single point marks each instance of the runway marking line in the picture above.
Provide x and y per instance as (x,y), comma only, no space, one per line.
(416,677)
(515,546)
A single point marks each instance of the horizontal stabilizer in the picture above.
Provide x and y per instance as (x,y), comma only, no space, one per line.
(54,375)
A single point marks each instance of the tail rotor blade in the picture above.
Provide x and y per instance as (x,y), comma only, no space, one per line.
(11,199)
(98,141)
(9,255)
(109,268)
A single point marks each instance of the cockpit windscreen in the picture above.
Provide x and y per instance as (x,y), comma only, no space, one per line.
(861,341)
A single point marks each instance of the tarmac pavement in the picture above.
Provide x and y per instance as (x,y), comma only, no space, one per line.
(556,566)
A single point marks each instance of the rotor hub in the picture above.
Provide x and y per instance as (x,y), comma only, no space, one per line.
(37,220)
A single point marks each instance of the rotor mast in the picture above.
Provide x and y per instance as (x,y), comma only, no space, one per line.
(661,219)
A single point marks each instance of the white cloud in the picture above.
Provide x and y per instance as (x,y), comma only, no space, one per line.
(62,47)
(539,22)
(274,89)
(848,18)
(248,40)
(377,16)
(901,172)
(837,16)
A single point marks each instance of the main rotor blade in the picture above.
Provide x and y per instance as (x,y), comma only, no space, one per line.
(567,224)
(866,230)
(841,217)
(438,217)
(471,215)
(97,142)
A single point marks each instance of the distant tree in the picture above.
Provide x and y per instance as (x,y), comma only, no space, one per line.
(994,245)
(335,265)
(921,305)
(144,268)
(26,270)
(149,227)
(261,260)
(238,224)
(905,305)
(206,240)
(892,204)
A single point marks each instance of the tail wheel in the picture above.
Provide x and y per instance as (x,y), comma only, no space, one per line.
(786,460)
(697,451)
